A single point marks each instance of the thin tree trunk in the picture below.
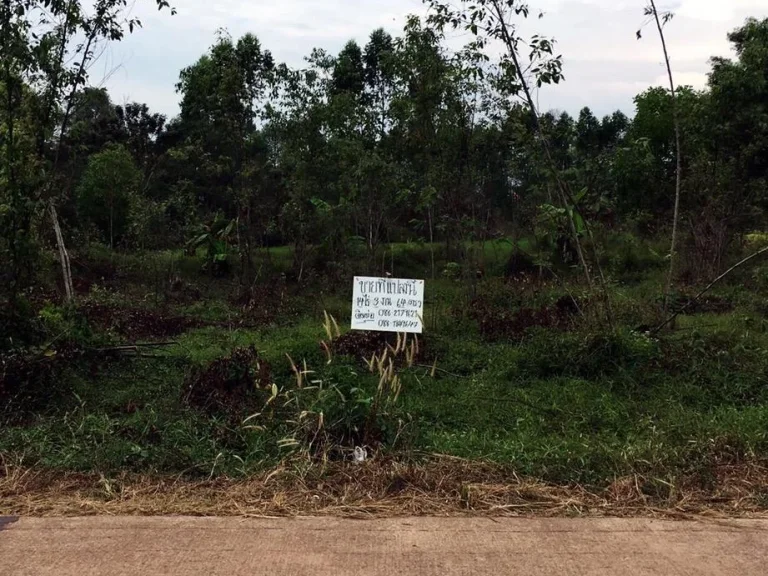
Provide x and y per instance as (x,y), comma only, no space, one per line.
(66,271)
(576,240)
(63,254)
(563,190)
(71,99)
(534,112)
(431,242)
(679,168)
(51,97)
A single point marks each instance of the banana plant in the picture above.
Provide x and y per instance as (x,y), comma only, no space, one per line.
(217,237)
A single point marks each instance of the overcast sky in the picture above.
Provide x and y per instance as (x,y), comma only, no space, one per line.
(604,64)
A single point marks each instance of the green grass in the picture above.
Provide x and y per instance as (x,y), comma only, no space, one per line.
(583,405)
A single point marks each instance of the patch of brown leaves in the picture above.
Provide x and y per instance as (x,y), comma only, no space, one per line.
(440,485)
(266,302)
(499,324)
(135,323)
(227,385)
(362,344)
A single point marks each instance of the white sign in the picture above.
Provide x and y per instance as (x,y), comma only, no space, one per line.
(387,304)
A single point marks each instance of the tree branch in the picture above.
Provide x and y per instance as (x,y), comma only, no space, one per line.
(707,289)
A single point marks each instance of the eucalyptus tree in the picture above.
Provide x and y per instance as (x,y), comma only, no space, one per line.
(222,99)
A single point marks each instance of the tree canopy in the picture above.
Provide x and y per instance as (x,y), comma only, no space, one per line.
(400,139)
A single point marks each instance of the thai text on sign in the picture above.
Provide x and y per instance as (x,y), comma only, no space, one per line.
(388,304)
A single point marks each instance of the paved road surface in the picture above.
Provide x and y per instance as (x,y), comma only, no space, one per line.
(116,546)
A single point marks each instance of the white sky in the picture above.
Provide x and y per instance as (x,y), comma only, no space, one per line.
(604,64)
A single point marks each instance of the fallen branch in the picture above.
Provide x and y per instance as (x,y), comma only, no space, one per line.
(134,346)
(128,349)
(709,286)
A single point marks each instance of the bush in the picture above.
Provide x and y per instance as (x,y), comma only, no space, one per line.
(629,259)
(326,413)
(18,325)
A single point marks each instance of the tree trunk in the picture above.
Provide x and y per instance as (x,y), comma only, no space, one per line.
(563,193)
(66,271)
(679,168)
(431,242)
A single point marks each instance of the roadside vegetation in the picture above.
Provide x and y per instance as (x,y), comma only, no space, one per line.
(176,293)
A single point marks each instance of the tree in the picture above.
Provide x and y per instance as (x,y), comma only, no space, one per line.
(348,71)
(379,59)
(21,175)
(45,51)
(493,20)
(729,180)
(220,107)
(661,20)
(94,124)
(104,193)
(143,137)
(648,155)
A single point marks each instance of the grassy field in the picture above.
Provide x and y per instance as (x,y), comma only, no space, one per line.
(505,373)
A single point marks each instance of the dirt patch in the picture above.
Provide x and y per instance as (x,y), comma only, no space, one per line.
(360,344)
(182,292)
(135,323)
(500,324)
(87,273)
(229,385)
(443,486)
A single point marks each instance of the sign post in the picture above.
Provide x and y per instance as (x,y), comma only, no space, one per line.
(388,304)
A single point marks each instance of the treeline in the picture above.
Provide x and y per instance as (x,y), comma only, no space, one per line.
(399,139)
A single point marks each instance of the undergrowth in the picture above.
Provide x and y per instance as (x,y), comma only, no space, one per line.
(519,371)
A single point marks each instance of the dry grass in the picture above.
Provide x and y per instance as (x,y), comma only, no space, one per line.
(439,486)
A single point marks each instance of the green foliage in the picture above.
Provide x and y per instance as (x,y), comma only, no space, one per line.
(216,237)
(105,192)
(630,259)
(47,50)
(399,156)
(452,271)
(65,323)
